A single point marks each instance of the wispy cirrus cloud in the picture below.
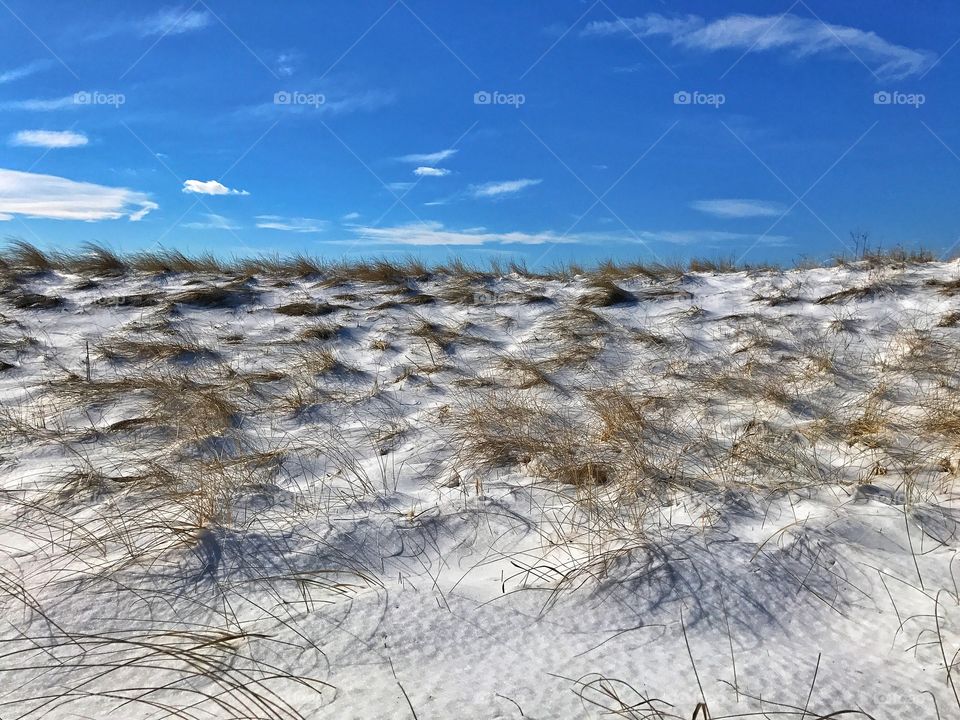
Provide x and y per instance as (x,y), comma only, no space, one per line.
(50,139)
(166,21)
(739,208)
(711,238)
(313,103)
(210,187)
(23,71)
(291,224)
(434,158)
(41,104)
(33,195)
(434,233)
(505,188)
(800,36)
(172,21)
(425,171)
(212,221)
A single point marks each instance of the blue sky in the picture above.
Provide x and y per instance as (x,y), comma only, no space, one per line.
(550,131)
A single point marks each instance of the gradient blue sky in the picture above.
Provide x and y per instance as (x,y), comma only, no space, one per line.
(346,128)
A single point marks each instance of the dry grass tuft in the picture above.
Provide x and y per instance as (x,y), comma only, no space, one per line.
(320,331)
(216,297)
(32,301)
(605,293)
(97,261)
(943,416)
(439,336)
(307,309)
(524,373)
(875,289)
(946,287)
(22,256)
(321,362)
(951,319)
(576,335)
(180,350)
(171,262)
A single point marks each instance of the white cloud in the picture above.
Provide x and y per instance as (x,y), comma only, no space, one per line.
(294,224)
(499,189)
(172,21)
(398,187)
(738,208)
(210,187)
(48,139)
(428,158)
(706,237)
(801,36)
(48,196)
(42,104)
(339,103)
(213,222)
(287,63)
(434,233)
(351,216)
(18,73)
(425,171)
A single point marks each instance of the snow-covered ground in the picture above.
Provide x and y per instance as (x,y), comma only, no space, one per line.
(480,498)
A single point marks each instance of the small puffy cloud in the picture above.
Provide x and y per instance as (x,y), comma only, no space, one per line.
(287,62)
(47,196)
(739,208)
(291,224)
(210,187)
(212,221)
(350,217)
(502,189)
(48,139)
(428,158)
(424,171)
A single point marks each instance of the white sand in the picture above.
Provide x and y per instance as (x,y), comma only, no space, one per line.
(366,548)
